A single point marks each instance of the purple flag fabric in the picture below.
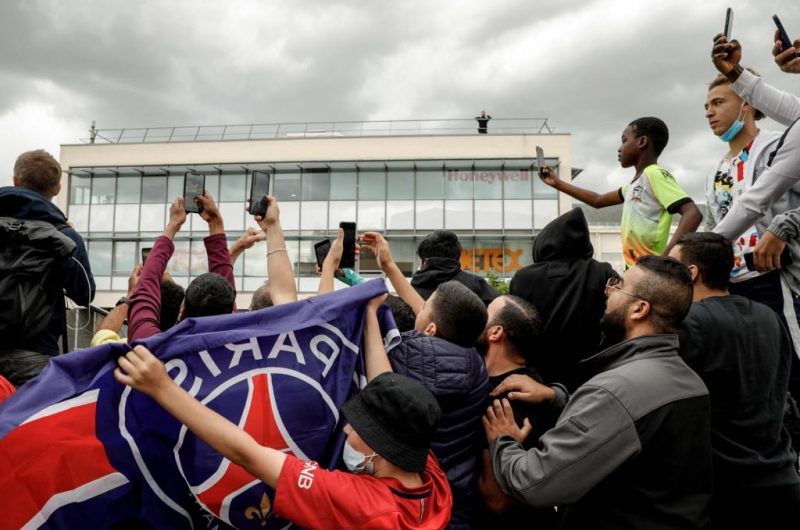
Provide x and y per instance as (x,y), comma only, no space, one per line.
(83,451)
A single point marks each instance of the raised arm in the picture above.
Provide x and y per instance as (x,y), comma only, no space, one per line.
(331,264)
(595,200)
(114,319)
(378,245)
(249,238)
(279,266)
(219,260)
(375,357)
(144,372)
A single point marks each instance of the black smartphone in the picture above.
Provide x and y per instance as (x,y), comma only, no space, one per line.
(728,23)
(194,185)
(786,259)
(348,260)
(785,40)
(321,250)
(145,253)
(539,159)
(259,189)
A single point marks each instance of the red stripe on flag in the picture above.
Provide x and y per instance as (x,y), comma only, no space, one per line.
(261,425)
(50,455)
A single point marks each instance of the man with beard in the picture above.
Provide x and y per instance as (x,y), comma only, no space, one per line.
(510,337)
(631,448)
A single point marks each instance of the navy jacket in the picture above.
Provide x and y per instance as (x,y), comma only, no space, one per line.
(76,274)
(457,377)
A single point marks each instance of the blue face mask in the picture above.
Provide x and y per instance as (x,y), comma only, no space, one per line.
(735,127)
(356,461)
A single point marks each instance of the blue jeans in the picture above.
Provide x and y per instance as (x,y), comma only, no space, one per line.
(20,366)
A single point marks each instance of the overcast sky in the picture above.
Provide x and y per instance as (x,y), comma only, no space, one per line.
(589,66)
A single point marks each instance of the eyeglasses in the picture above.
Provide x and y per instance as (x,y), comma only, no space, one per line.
(613,283)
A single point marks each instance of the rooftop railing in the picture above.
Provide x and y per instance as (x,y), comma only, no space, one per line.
(262,131)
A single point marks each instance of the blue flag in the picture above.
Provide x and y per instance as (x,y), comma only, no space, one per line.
(83,451)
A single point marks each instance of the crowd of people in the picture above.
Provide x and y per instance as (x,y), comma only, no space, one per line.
(659,398)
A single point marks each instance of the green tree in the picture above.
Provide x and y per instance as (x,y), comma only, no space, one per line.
(498,283)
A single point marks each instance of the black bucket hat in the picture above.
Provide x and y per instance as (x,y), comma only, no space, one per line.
(397,418)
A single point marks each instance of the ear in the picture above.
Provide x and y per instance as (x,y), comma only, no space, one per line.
(695,272)
(642,142)
(639,311)
(430,330)
(496,333)
(17,181)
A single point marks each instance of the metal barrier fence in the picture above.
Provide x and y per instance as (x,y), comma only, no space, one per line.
(81,323)
(261,131)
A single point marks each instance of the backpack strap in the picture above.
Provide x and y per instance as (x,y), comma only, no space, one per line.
(780,142)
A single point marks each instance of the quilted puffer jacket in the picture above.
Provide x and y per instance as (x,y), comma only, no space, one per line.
(457,377)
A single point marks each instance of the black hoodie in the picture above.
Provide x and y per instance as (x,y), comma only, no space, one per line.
(78,282)
(436,271)
(567,286)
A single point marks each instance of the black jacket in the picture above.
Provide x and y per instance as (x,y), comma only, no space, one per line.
(567,286)
(436,271)
(78,282)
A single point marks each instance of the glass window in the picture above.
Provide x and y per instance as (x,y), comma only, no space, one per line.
(517,215)
(126,218)
(314,215)
(371,181)
(344,180)
(482,256)
(544,212)
(79,217)
(517,253)
(517,180)
(430,180)
(429,215)
(290,215)
(400,181)
(371,215)
(287,182)
(128,188)
(101,218)
(458,180)
(152,218)
(458,215)
(100,257)
(400,215)
(199,260)
(174,185)
(341,211)
(178,264)
(316,184)
(124,258)
(488,215)
(233,215)
(403,251)
(80,183)
(233,187)
(103,190)
(308,259)
(154,188)
(488,179)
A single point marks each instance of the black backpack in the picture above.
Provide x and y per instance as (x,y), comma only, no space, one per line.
(31,253)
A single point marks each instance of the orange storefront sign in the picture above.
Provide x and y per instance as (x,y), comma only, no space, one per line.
(491,259)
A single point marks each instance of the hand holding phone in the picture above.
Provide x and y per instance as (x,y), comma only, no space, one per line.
(728,23)
(145,253)
(348,260)
(321,249)
(781,57)
(194,185)
(539,159)
(259,189)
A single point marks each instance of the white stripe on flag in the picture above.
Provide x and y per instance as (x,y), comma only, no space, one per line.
(83,399)
(79,494)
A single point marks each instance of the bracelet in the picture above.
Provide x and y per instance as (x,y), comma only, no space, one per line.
(276,250)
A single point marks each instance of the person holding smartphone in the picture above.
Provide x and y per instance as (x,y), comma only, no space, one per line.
(776,190)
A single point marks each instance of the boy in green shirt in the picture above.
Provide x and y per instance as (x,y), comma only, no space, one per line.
(650,199)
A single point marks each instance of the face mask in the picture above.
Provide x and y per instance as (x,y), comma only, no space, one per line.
(735,127)
(356,461)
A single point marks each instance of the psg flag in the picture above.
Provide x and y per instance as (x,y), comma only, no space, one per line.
(80,450)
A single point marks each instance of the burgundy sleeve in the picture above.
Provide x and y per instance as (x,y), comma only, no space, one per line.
(144,306)
(219,259)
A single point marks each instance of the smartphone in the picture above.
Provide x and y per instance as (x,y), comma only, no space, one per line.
(785,40)
(786,259)
(728,23)
(321,249)
(348,260)
(194,185)
(145,253)
(539,158)
(259,189)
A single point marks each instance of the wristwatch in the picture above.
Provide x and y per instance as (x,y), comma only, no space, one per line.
(123,300)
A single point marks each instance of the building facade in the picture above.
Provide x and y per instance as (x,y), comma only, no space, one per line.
(483,187)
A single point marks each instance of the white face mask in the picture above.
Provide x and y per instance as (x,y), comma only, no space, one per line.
(356,461)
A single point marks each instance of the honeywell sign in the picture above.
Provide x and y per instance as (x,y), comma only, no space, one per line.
(467,175)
